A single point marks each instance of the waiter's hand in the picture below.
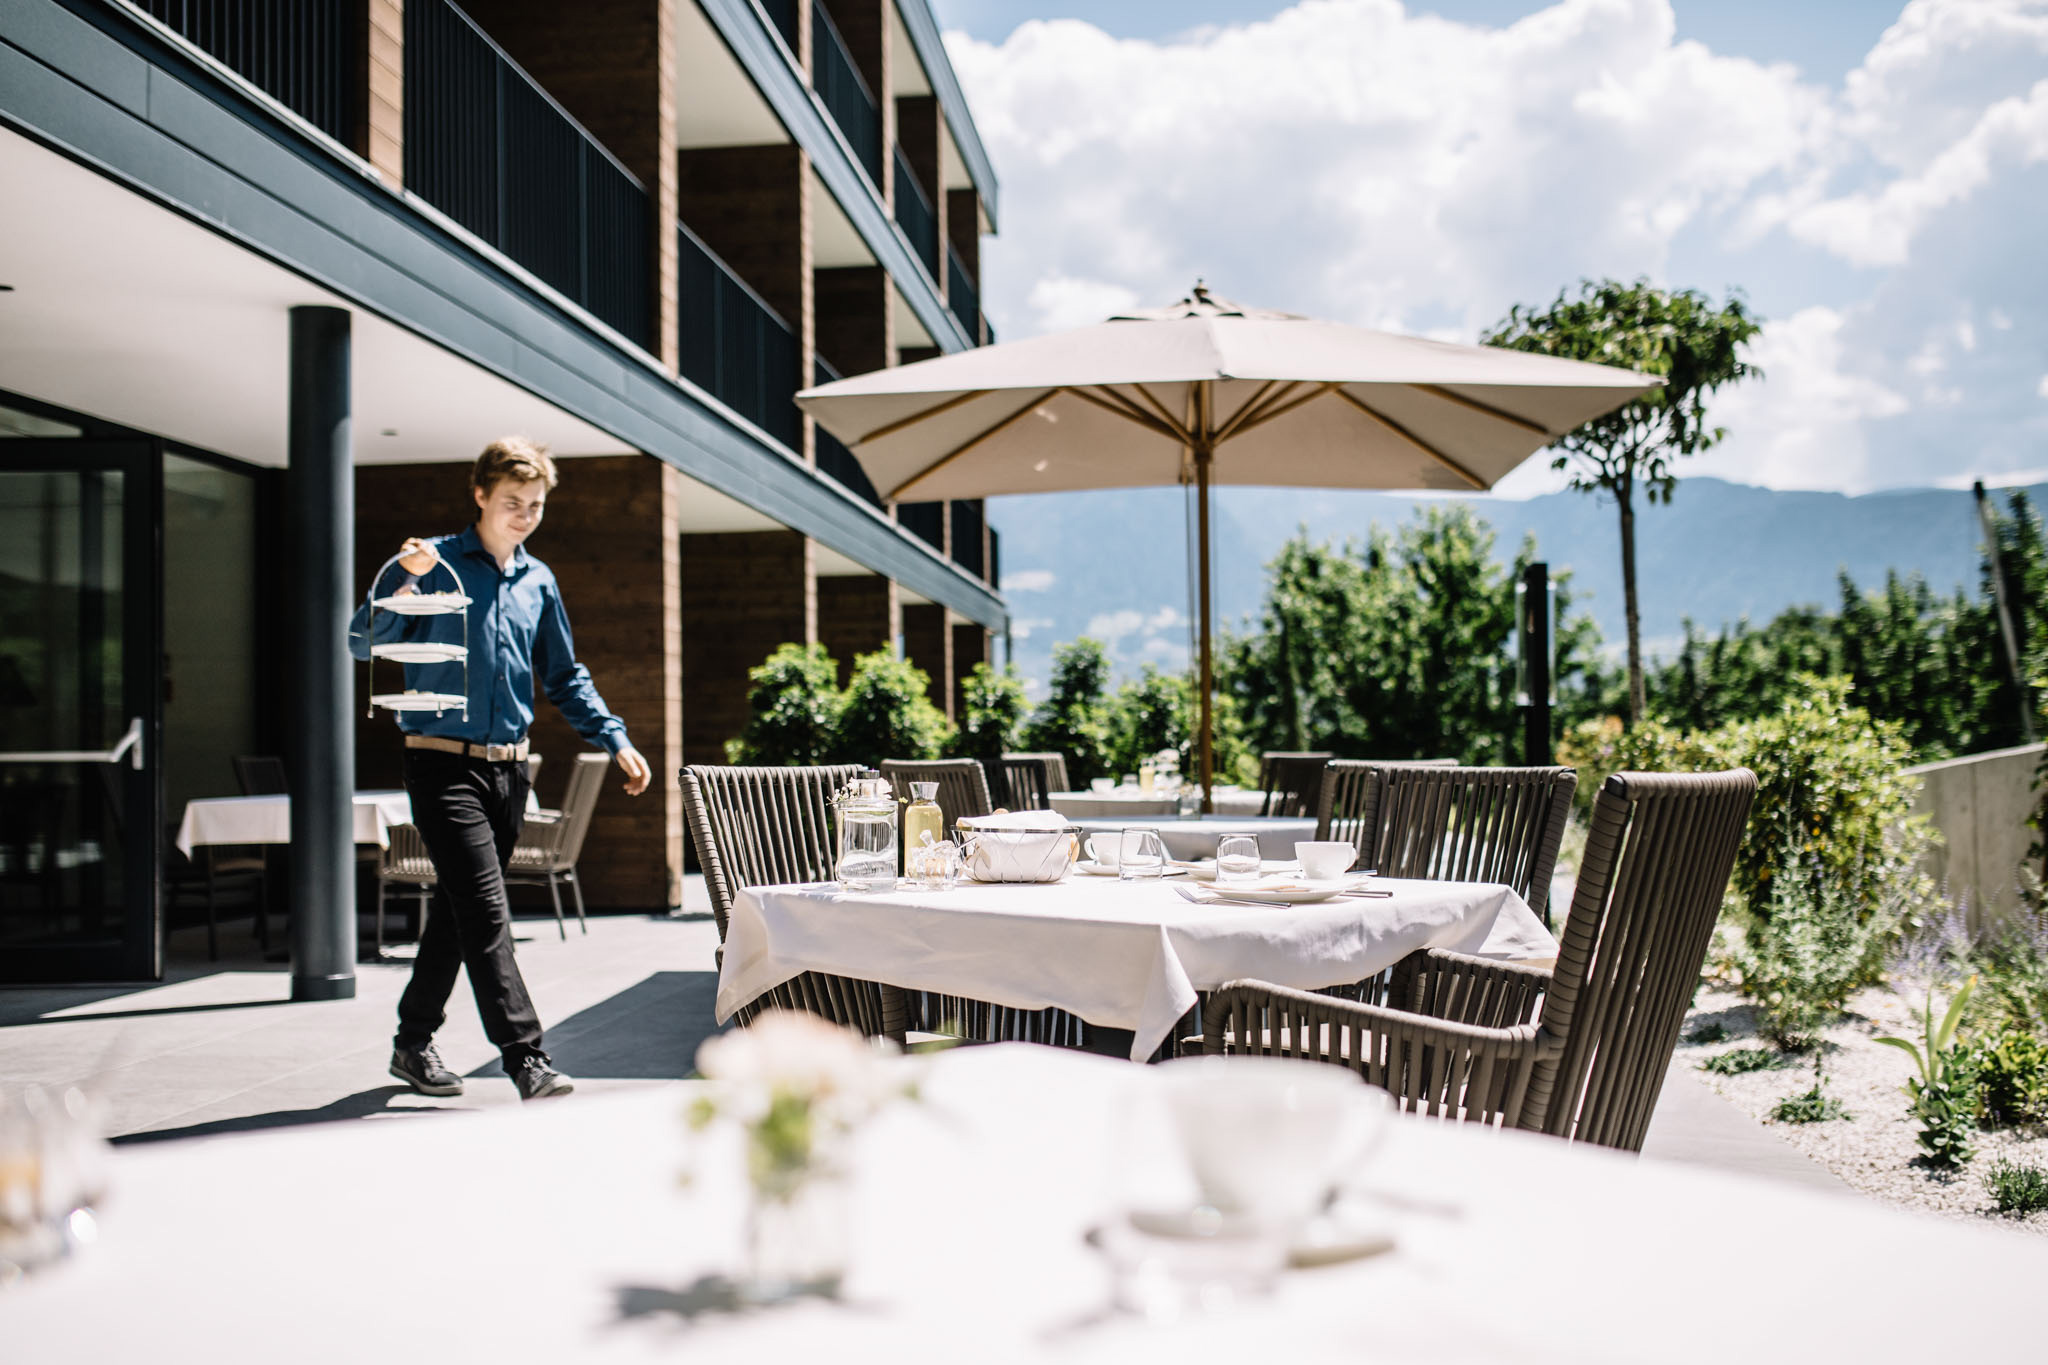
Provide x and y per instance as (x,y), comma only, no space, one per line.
(416,556)
(636,770)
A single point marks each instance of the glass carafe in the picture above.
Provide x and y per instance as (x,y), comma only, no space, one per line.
(867,835)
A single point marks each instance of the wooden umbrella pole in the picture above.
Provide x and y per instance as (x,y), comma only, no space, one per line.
(1205,452)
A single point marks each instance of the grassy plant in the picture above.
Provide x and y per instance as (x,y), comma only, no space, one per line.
(1944,1094)
(1809,1106)
(2018,1187)
(1742,1060)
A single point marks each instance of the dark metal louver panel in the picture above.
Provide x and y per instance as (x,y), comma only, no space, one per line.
(299,52)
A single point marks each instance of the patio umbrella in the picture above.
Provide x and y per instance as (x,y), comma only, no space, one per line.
(1210,392)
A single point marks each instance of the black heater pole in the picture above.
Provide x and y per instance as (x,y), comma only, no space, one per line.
(1534,631)
(320,530)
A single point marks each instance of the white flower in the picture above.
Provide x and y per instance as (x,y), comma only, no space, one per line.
(793,1053)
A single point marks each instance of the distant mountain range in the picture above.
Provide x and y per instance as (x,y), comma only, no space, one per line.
(1115,565)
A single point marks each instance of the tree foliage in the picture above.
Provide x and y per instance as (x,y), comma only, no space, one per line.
(1396,647)
(1074,719)
(1680,337)
(793,705)
(888,713)
(993,710)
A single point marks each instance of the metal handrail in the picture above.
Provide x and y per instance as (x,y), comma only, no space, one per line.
(130,745)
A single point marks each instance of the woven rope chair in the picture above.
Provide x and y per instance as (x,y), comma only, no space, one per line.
(550,843)
(404,868)
(1024,781)
(769,827)
(1444,823)
(963,784)
(1054,764)
(1578,1051)
(1291,780)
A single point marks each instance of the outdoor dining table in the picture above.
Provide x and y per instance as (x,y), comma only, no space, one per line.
(1195,837)
(970,1211)
(1130,801)
(1117,954)
(268,819)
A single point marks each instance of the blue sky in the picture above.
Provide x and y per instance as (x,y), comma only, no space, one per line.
(1873,177)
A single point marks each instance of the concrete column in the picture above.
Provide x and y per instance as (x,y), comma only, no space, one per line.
(928,643)
(743,594)
(319,522)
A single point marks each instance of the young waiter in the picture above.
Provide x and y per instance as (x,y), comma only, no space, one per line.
(466,774)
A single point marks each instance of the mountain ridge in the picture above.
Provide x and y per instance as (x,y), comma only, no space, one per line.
(1115,564)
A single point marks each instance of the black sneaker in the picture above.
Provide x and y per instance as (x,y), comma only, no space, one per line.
(537,1080)
(421,1068)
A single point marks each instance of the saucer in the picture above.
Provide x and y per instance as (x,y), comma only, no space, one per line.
(1345,1232)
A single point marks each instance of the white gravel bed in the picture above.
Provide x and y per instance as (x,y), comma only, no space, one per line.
(1873,1149)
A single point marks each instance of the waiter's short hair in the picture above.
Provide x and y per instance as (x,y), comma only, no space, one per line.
(514,458)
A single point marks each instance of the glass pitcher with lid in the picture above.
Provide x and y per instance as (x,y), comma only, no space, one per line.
(866,808)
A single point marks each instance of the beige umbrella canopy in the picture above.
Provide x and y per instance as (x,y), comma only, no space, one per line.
(1207,392)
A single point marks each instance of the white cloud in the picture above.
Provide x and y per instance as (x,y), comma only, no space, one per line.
(1804,426)
(2042,388)
(1374,163)
(1028,580)
(1111,626)
(1163,619)
(1022,626)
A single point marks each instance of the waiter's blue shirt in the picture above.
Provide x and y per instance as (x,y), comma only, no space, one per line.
(518,633)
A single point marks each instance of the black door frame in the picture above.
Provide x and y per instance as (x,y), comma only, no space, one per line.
(139,955)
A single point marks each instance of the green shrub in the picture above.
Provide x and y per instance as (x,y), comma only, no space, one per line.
(993,707)
(1713,1032)
(793,705)
(2012,1079)
(1833,803)
(1074,718)
(2012,960)
(888,713)
(1802,959)
(1742,1060)
(2019,1187)
(1809,1106)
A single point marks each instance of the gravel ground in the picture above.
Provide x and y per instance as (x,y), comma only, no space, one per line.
(1873,1149)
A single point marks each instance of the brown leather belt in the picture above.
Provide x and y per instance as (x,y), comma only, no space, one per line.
(490,753)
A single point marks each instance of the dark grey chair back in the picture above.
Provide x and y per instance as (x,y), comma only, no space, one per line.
(1291,781)
(1054,764)
(260,775)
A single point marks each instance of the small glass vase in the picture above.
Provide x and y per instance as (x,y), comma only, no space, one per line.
(798,1239)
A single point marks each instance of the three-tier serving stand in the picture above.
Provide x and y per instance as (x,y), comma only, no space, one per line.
(419,651)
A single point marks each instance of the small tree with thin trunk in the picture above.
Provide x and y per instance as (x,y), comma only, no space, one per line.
(1677,335)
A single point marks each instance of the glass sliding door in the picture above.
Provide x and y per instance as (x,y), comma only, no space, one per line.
(80,710)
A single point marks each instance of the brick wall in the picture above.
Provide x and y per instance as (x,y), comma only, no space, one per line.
(743,594)
(853,321)
(970,647)
(853,617)
(929,644)
(609,537)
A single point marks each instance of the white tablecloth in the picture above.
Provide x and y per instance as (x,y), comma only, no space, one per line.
(268,819)
(1192,839)
(515,1237)
(1128,955)
(1075,805)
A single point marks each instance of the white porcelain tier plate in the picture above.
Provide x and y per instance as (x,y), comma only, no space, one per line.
(422,603)
(418,701)
(420,652)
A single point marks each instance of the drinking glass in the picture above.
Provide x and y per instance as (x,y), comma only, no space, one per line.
(1140,854)
(1237,858)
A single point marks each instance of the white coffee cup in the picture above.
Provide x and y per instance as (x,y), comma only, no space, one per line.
(1325,861)
(1267,1137)
(1105,850)
(1102,786)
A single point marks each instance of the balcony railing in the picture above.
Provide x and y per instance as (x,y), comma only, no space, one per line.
(967,536)
(732,344)
(994,576)
(915,216)
(834,459)
(488,147)
(847,97)
(961,295)
(302,53)
(782,14)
